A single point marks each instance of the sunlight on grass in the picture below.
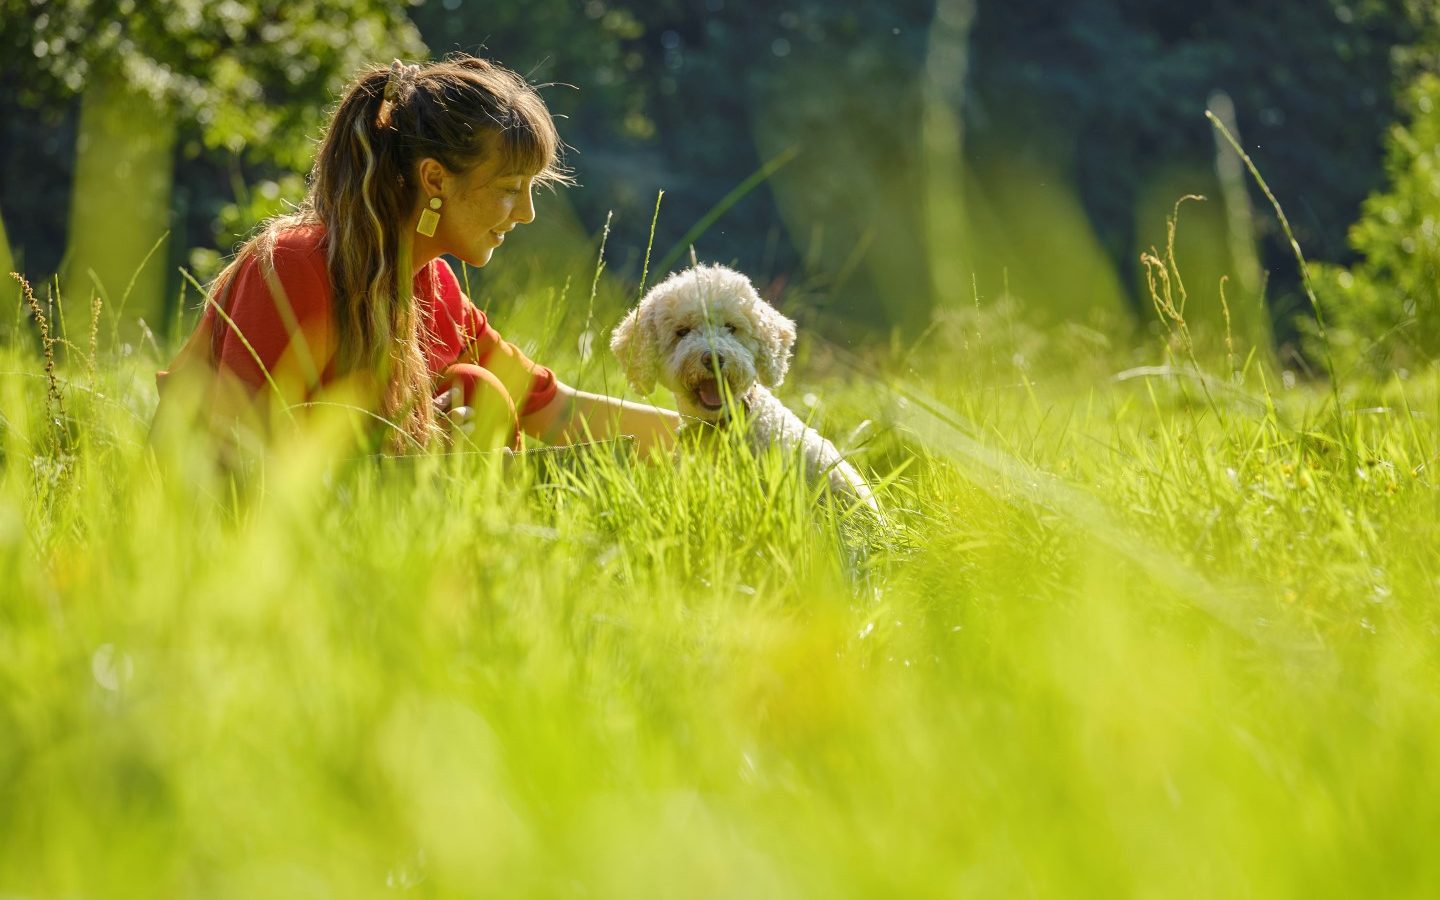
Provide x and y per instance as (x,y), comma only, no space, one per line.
(1147,635)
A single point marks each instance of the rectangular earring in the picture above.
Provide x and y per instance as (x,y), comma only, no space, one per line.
(429,218)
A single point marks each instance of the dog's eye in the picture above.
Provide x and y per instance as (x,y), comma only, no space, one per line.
(681,332)
(730,328)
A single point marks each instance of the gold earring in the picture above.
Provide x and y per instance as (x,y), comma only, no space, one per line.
(429,218)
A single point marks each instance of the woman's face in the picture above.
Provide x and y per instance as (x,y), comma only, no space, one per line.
(480,207)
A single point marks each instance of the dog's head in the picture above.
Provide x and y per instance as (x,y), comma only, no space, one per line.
(699,329)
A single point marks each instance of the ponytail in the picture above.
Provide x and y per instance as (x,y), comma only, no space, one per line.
(360,192)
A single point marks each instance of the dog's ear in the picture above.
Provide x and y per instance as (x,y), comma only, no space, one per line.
(632,345)
(777,339)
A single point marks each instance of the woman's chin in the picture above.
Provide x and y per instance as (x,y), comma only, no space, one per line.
(477,258)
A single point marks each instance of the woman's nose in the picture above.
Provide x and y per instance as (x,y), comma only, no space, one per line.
(524,212)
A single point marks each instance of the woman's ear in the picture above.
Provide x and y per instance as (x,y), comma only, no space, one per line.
(777,339)
(431,175)
(633,345)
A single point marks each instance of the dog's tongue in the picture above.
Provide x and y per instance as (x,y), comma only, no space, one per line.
(709,392)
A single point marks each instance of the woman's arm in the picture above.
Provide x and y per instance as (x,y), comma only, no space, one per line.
(573,415)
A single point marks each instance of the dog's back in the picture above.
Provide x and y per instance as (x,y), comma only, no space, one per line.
(771,423)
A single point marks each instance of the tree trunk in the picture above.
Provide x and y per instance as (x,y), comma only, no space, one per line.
(9,287)
(949,245)
(120,207)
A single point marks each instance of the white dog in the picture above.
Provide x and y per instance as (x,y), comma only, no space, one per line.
(705,322)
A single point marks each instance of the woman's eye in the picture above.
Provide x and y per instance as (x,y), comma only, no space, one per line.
(681,332)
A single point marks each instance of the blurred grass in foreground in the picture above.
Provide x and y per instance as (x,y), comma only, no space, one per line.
(1138,630)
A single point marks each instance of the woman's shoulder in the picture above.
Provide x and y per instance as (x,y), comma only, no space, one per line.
(288,262)
(301,243)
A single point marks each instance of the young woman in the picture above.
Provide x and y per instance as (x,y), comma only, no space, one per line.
(347,303)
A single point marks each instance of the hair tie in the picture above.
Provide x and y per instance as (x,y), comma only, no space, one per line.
(399,75)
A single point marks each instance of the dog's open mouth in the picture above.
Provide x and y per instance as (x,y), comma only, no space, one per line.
(707,391)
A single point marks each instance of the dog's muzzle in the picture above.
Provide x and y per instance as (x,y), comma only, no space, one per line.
(709,394)
(709,375)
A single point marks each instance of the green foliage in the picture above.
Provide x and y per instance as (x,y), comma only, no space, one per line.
(254,203)
(252,74)
(1387,304)
(244,82)
(1081,113)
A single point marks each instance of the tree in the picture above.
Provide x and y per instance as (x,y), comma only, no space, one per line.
(1387,305)
(1118,89)
(247,77)
(693,98)
(1082,124)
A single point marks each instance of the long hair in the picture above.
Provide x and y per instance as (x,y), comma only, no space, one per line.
(363,187)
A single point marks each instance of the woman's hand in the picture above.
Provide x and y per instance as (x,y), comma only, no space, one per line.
(450,407)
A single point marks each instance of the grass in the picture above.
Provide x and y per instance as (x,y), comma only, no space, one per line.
(1161,634)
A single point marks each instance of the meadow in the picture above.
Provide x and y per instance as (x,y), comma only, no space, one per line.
(1143,622)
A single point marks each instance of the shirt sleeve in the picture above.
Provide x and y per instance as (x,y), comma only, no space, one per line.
(484,346)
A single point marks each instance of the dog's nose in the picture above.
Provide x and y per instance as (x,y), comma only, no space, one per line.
(707,359)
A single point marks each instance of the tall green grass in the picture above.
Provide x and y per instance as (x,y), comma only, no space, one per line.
(1132,629)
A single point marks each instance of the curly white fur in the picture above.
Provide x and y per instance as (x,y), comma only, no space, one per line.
(708,321)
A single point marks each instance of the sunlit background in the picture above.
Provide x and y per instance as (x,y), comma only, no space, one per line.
(867,162)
